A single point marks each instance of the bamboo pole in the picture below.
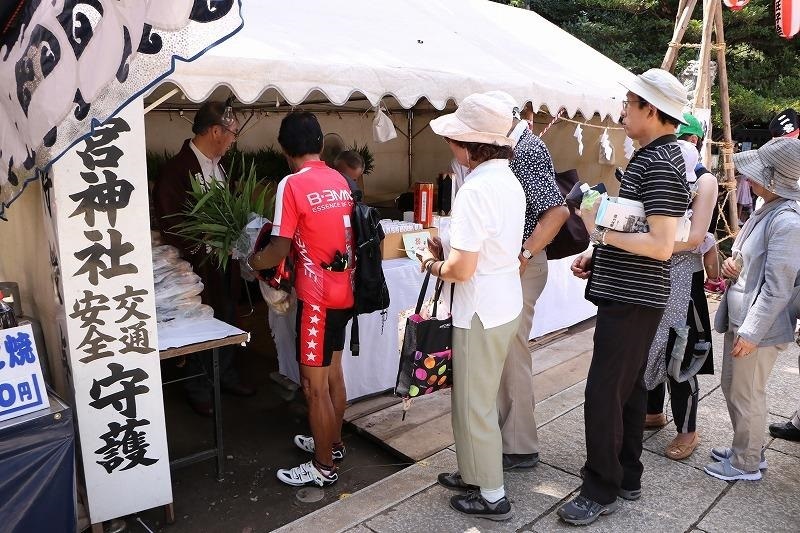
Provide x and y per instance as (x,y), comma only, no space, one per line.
(704,76)
(685,10)
(724,99)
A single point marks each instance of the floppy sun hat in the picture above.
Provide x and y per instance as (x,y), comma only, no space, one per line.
(661,89)
(775,166)
(480,118)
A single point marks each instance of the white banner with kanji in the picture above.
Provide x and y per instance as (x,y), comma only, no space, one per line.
(100,206)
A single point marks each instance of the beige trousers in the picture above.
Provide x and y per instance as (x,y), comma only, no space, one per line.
(515,400)
(478,357)
(743,382)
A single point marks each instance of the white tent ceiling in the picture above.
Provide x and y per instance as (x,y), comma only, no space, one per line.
(407,49)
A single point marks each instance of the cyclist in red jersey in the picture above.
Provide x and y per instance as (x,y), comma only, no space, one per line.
(313,207)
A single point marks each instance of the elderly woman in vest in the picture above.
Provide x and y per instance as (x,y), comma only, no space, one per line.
(756,313)
(485,235)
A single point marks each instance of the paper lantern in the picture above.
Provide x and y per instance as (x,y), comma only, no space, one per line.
(736,5)
(787,17)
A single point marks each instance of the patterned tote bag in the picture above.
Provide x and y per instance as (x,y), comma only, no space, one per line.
(426,353)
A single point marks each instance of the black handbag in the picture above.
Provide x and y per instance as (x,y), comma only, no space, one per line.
(572,238)
(426,354)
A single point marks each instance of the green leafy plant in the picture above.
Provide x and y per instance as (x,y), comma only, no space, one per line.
(366,155)
(270,162)
(217,212)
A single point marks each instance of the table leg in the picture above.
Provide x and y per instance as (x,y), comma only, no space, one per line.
(217,414)
(169,513)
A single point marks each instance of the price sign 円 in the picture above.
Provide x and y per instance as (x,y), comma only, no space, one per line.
(22,388)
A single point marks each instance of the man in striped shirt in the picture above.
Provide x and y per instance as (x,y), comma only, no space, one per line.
(629,280)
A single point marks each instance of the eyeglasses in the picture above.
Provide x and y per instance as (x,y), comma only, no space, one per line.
(226,128)
(625,103)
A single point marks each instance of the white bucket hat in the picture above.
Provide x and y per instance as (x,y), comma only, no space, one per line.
(775,166)
(480,118)
(661,89)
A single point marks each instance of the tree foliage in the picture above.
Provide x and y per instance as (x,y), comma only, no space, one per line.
(763,68)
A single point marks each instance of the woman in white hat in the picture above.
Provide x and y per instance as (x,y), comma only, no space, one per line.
(756,314)
(485,233)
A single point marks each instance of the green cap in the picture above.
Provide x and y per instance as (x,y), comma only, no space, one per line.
(692,126)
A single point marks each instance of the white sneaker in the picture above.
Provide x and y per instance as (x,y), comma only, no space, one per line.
(726,471)
(725,454)
(306,474)
(306,443)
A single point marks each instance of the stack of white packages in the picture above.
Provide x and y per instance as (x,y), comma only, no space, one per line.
(177,287)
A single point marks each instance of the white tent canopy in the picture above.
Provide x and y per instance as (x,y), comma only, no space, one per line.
(409,49)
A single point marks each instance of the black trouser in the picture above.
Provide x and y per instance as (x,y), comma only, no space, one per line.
(220,292)
(616,399)
(684,398)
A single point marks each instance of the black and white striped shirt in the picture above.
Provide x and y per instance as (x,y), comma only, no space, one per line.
(655,176)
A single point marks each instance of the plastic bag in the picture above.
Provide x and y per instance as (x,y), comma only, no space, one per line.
(193,310)
(277,299)
(168,293)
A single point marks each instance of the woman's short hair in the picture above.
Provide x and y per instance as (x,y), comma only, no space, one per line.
(351,158)
(480,152)
(300,134)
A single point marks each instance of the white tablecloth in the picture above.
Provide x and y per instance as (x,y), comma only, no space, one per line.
(375,370)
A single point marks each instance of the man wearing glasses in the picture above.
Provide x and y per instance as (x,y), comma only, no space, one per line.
(629,281)
(215,130)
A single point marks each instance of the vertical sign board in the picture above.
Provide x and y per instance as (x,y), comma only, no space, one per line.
(22,388)
(101,211)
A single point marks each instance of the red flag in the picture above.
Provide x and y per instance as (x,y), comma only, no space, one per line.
(787,17)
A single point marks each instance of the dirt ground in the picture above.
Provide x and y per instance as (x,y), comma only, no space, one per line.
(258,435)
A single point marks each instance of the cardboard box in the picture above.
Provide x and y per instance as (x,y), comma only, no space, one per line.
(392,246)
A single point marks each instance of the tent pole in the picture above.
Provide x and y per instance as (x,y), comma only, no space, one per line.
(161,100)
(410,144)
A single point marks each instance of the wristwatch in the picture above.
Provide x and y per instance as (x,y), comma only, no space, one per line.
(527,254)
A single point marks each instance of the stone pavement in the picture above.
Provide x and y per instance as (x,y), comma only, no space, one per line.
(677,496)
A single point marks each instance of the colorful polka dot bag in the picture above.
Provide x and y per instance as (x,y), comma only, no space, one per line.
(426,355)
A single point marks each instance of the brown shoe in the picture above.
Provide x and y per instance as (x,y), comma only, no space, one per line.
(678,450)
(655,421)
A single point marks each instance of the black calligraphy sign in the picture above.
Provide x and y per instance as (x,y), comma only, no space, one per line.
(124,441)
(93,256)
(122,400)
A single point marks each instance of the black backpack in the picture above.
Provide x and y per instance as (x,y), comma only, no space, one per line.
(370,291)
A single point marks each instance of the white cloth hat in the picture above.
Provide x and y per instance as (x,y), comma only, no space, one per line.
(507,99)
(480,118)
(661,89)
(690,158)
(775,166)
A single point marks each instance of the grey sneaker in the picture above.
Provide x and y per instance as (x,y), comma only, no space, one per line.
(726,471)
(630,495)
(725,454)
(583,511)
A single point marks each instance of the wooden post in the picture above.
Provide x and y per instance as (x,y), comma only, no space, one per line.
(685,10)
(724,100)
(704,77)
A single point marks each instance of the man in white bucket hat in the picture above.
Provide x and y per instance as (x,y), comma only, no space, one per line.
(629,280)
